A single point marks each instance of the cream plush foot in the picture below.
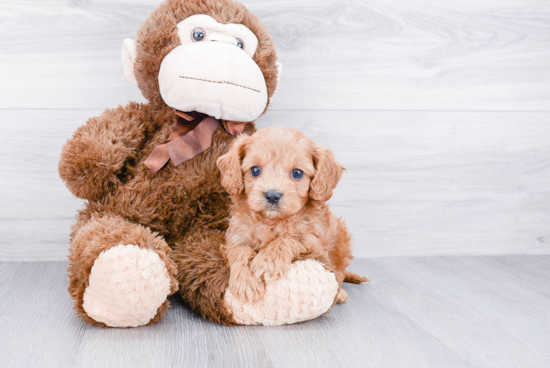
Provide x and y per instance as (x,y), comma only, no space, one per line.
(304,293)
(126,286)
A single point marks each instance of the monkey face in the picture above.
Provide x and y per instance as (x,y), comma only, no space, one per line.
(211,69)
(213,72)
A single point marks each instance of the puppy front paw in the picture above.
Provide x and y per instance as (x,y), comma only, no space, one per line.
(245,286)
(306,292)
(267,265)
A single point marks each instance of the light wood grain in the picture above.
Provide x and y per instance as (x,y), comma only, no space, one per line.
(416,312)
(417,183)
(338,54)
(440,182)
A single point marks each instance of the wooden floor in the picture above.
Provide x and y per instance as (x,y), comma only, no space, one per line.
(416,312)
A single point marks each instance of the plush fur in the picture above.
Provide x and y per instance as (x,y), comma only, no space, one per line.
(181,212)
(265,237)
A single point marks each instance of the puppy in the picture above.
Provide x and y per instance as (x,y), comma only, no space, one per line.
(279,181)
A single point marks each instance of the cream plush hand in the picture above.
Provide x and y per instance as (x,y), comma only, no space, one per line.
(305,292)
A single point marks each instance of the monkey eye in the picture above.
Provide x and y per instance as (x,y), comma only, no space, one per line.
(255,171)
(297,174)
(198,34)
(240,43)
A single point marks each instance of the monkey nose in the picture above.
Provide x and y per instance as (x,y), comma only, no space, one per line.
(273,196)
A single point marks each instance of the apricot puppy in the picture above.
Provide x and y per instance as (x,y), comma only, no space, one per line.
(279,181)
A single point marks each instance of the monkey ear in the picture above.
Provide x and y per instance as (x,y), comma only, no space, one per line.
(327,174)
(128,59)
(279,71)
(230,166)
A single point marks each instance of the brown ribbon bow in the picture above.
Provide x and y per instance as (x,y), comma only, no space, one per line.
(192,135)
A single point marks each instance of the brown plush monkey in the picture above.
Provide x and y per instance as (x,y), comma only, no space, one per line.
(155,212)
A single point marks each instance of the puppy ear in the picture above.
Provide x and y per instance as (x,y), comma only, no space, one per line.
(327,174)
(230,166)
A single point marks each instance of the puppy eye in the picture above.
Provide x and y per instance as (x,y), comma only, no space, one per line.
(240,43)
(198,34)
(297,174)
(255,171)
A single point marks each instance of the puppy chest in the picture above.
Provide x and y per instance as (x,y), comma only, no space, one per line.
(261,235)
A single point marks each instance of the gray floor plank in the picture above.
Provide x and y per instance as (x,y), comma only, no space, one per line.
(417,183)
(430,54)
(477,306)
(416,312)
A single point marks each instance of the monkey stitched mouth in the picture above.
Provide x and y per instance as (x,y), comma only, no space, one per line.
(220,82)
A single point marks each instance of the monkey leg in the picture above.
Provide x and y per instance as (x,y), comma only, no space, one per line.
(202,273)
(306,291)
(120,273)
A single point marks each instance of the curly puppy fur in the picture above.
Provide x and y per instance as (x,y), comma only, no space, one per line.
(264,236)
(181,212)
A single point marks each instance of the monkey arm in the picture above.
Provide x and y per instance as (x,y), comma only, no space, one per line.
(307,291)
(92,158)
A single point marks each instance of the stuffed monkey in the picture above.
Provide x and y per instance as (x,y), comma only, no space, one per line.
(155,211)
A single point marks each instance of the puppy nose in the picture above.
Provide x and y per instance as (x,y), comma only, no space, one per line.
(273,196)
